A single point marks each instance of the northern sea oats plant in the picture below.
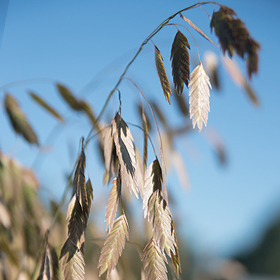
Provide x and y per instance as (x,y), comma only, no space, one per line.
(126,170)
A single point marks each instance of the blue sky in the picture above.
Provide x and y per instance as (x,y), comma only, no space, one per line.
(89,43)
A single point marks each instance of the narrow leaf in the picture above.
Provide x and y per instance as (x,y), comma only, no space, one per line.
(199,97)
(85,107)
(141,111)
(196,28)
(154,262)
(180,61)
(77,104)
(162,75)
(238,78)
(46,106)
(113,246)
(159,113)
(67,95)
(18,120)
(182,104)
(125,151)
(112,204)
(251,94)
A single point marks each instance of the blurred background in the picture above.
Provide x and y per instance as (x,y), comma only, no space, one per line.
(226,200)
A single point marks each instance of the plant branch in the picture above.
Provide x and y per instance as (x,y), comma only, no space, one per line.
(163,24)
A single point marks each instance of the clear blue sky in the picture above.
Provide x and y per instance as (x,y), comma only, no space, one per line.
(71,41)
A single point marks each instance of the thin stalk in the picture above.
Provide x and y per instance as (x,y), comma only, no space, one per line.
(26,81)
(165,192)
(149,137)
